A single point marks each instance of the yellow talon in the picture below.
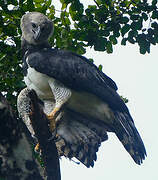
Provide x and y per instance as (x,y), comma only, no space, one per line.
(51,117)
(53,113)
(37,147)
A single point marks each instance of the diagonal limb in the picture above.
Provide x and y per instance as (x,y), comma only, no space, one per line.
(30,108)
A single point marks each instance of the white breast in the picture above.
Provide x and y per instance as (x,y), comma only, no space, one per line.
(38,82)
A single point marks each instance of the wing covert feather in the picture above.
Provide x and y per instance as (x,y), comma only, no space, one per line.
(78,73)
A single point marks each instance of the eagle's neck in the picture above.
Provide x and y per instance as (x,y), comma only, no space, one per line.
(25,46)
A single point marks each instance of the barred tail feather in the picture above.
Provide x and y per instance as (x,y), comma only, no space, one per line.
(129,136)
(80,141)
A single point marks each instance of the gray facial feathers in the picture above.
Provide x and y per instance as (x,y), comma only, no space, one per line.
(36,28)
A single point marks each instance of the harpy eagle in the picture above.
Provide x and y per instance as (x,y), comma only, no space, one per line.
(65,81)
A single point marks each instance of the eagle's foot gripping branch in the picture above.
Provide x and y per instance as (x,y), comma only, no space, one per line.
(52,118)
(37,148)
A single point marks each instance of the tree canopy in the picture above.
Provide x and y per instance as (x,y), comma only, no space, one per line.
(99,25)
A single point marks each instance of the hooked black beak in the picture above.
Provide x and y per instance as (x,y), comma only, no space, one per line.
(37,33)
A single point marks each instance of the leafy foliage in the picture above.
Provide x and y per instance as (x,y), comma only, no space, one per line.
(99,25)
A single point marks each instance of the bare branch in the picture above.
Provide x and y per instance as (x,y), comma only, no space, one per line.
(43,134)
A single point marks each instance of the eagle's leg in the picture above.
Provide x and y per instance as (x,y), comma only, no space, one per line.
(61,96)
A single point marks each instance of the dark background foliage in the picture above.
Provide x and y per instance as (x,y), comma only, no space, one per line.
(99,25)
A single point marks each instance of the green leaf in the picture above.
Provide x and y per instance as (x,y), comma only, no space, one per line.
(99,2)
(154,25)
(113,39)
(123,42)
(37,1)
(155,14)
(30,5)
(142,50)
(145,16)
(125,29)
(76,10)
(48,3)
(81,50)
(91,60)
(136,25)
(154,2)
(92,7)
(100,44)
(106,33)
(124,99)
(124,20)
(100,67)
(109,48)
(134,17)
(67,21)
(64,5)
(131,37)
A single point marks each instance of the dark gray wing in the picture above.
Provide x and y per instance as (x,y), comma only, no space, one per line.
(78,73)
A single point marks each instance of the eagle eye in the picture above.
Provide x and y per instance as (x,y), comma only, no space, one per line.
(34,25)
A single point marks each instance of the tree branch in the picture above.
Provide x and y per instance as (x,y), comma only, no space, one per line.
(48,148)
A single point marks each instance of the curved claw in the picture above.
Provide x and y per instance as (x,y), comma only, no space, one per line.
(37,148)
(54,113)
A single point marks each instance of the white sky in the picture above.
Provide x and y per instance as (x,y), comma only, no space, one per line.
(136,76)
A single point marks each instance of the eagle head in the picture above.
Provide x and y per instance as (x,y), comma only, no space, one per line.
(36,28)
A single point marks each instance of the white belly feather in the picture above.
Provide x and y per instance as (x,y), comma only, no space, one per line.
(38,82)
(90,105)
(82,102)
